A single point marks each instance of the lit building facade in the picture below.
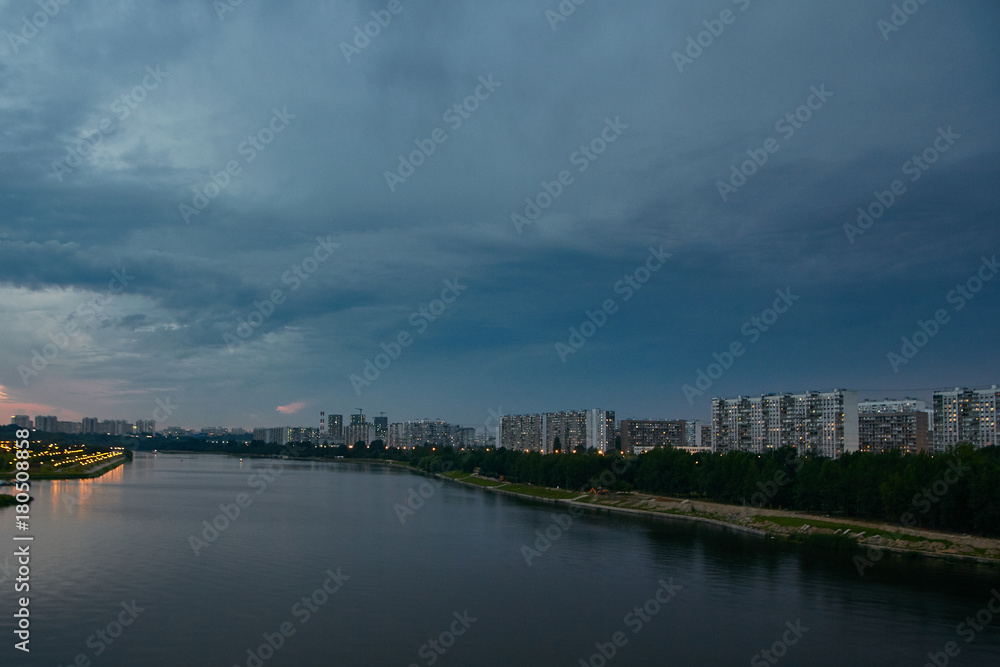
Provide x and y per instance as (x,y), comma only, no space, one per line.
(575,430)
(381,428)
(335,427)
(642,435)
(907,432)
(821,423)
(433,432)
(965,415)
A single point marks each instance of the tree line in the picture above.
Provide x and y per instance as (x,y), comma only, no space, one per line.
(957,491)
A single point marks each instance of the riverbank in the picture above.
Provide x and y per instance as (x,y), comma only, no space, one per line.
(871,538)
(87,473)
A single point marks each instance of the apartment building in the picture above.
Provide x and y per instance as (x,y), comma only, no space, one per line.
(565,432)
(822,423)
(965,415)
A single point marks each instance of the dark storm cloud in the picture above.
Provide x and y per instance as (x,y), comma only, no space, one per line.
(224,75)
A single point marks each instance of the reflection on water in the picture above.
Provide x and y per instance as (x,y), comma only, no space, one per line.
(122,541)
(71,496)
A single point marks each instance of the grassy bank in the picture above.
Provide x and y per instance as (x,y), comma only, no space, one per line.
(794,527)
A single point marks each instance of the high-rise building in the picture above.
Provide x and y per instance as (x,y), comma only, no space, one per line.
(894,424)
(284,435)
(89,425)
(359,432)
(465,436)
(21,421)
(891,405)
(358,419)
(335,427)
(523,432)
(46,423)
(67,427)
(820,423)
(115,427)
(145,426)
(642,435)
(396,436)
(381,428)
(575,431)
(887,431)
(432,432)
(964,415)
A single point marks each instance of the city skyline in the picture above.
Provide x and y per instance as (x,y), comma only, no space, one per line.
(826,423)
(491,415)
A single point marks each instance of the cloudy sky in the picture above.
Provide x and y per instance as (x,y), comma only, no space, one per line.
(217,207)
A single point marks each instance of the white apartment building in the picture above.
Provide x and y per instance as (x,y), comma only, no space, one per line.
(966,415)
(814,422)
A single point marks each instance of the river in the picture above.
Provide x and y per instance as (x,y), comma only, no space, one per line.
(354,564)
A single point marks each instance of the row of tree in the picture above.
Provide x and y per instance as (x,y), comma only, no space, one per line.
(957,491)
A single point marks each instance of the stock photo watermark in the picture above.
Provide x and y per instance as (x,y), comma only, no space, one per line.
(635,620)
(778,481)
(582,158)
(779,649)
(259,480)
(420,320)
(248,149)
(123,107)
(545,539)
(31,26)
(103,638)
(455,116)
(302,611)
(968,630)
(417,496)
(958,297)
(22,552)
(295,277)
(753,329)
(90,310)
(899,17)
(714,28)
(562,12)
(365,33)
(786,126)
(436,647)
(922,502)
(223,7)
(914,168)
(627,286)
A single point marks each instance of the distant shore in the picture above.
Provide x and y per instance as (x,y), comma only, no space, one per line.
(869,538)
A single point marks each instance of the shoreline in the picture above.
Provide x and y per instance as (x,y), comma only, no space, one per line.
(861,535)
(91,473)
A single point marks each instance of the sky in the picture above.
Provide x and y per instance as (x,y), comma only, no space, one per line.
(241,214)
